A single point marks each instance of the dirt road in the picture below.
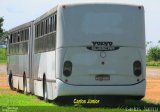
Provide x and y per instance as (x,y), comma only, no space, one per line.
(152,88)
(153,73)
(3,69)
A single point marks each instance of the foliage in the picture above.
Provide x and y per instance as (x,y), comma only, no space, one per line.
(153,54)
(3,54)
(3,58)
(1,24)
(153,63)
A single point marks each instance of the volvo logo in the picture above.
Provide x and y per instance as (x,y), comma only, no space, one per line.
(102,46)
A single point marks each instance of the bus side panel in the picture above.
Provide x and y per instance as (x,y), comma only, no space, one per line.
(60,55)
(44,64)
(14,69)
(23,69)
(142,53)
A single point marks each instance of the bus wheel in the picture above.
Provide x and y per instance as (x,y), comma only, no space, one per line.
(138,98)
(10,81)
(45,96)
(24,85)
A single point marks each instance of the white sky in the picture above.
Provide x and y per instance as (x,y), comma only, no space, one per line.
(16,12)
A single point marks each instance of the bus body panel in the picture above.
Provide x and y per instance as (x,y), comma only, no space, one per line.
(18,63)
(131,90)
(44,64)
(87,64)
(79,25)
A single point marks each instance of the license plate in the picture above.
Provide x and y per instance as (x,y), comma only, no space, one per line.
(102,77)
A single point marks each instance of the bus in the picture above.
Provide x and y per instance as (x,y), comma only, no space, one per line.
(80,49)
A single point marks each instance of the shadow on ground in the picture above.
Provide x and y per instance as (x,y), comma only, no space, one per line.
(110,103)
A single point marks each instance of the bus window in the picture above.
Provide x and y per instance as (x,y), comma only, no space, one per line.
(55,21)
(18,40)
(42,29)
(11,38)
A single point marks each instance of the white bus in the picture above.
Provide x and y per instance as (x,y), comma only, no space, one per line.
(82,49)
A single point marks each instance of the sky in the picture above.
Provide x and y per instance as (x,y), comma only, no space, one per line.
(17,12)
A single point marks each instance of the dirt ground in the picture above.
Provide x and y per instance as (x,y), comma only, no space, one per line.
(152,88)
(3,69)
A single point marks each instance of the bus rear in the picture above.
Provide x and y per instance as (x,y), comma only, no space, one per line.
(100,50)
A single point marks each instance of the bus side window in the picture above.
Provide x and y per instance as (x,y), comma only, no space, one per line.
(10,44)
(18,37)
(42,29)
(11,39)
(16,43)
(22,36)
(52,23)
(47,24)
(37,31)
(55,22)
(27,34)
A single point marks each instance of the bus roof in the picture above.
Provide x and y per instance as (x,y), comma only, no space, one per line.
(98,2)
(53,10)
(21,26)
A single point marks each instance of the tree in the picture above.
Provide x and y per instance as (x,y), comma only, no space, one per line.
(3,34)
(1,24)
(153,54)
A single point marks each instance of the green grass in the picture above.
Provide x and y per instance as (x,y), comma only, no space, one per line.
(153,67)
(3,61)
(21,100)
(153,63)
(3,56)
(30,103)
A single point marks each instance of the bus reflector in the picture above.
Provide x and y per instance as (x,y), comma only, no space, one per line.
(137,68)
(67,70)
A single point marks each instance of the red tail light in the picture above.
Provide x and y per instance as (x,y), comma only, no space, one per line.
(137,68)
(67,70)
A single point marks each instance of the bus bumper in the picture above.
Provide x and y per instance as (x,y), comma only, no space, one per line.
(64,89)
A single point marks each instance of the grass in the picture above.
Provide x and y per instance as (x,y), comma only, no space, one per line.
(30,103)
(3,57)
(3,61)
(21,100)
(153,66)
(2,54)
(153,63)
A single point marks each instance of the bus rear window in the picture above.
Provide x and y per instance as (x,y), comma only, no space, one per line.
(106,22)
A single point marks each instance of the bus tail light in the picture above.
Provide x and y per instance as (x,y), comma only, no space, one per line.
(137,68)
(67,70)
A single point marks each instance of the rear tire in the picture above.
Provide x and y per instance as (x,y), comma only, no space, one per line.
(10,81)
(25,85)
(45,95)
(138,98)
